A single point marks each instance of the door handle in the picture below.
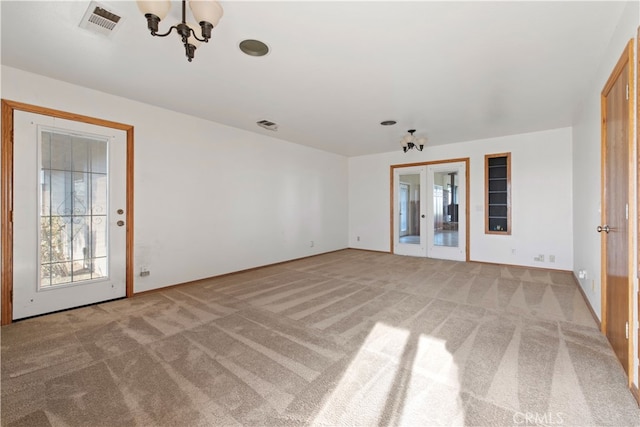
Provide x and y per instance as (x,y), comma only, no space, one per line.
(604,228)
(120,223)
(423,216)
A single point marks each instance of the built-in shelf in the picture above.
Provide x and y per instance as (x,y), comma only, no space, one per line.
(498,193)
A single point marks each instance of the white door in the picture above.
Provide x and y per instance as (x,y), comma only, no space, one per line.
(446,229)
(409,211)
(69,238)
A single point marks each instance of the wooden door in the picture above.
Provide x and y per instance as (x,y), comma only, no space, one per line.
(616,230)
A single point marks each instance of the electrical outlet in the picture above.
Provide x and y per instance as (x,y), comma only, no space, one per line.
(145,273)
(552,258)
(312,243)
(358,238)
(513,251)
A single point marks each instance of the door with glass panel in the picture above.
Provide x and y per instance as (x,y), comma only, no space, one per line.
(446,189)
(409,211)
(69,234)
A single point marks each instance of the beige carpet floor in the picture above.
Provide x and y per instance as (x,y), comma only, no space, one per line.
(348,338)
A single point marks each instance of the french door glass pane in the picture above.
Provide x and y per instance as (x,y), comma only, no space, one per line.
(73,209)
(409,209)
(404,208)
(445,205)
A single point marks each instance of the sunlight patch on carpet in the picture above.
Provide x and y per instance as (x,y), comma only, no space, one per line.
(385,383)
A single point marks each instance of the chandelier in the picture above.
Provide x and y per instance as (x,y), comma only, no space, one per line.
(206,12)
(409,141)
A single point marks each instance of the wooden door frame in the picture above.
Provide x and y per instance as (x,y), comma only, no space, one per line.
(6,194)
(392,169)
(634,387)
(625,59)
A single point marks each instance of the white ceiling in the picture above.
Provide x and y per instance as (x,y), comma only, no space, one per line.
(455,71)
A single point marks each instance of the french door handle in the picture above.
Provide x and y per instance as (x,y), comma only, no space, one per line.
(120,223)
(422,215)
(604,228)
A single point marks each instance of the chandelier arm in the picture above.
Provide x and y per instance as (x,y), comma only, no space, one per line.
(195,36)
(173,27)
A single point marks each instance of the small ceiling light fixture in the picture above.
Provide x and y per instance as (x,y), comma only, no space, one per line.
(206,12)
(253,47)
(409,141)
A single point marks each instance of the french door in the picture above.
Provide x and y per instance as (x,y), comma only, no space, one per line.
(410,211)
(429,210)
(69,200)
(446,219)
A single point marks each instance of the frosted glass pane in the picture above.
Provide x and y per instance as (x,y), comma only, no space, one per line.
(45,192)
(81,239)
(73,209)
(45,275)
(45,150)
(61,154)
(80,153)
(61,273)
(99,193)
(80,193)
(99,228)
(99,268)
(61,200)
(99,156)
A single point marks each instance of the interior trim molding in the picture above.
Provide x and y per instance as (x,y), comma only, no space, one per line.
(586,300)
(6,194)
(246,270)
(634,389)
(635,392)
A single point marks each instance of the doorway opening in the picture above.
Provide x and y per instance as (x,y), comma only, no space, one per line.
(429,215)
(87,259)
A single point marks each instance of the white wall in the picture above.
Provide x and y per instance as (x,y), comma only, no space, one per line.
(210,199)
(541,183)
(586,161)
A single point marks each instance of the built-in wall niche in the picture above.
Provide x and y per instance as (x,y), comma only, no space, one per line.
(497,193)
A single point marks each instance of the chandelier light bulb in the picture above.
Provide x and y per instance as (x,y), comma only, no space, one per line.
(159,8)
(206,11)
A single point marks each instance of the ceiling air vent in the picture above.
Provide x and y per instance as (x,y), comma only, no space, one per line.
(101,20)
(267,125)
